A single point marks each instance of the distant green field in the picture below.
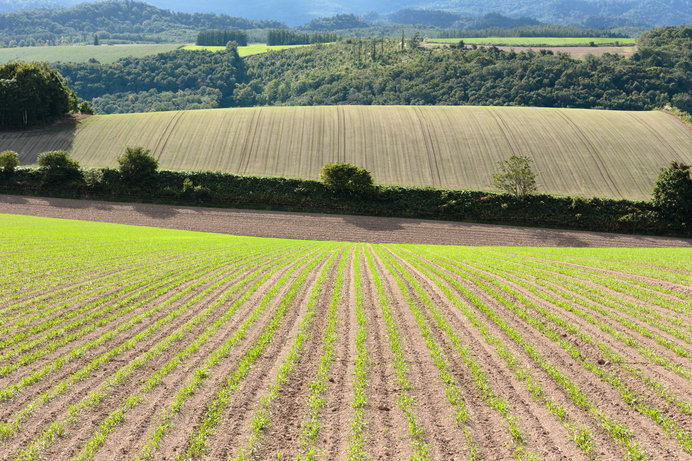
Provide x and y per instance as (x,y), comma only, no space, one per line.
(103,53)
(539,41)
(253,48)
(583,152)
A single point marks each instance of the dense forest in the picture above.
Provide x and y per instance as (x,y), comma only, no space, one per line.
(379,71)
(221,37)
(289,37)
(167,72)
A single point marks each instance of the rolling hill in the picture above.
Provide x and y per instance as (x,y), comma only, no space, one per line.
(592,13)
(576,151)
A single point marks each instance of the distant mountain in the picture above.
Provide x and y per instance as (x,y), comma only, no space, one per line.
(592,13)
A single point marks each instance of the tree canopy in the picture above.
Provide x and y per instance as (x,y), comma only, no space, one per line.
(32,93)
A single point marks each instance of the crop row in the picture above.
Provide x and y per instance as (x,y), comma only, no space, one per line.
(375,351)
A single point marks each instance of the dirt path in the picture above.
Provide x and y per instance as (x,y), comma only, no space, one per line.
(322,227)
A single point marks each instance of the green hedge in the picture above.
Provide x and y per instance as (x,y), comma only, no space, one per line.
(227,190)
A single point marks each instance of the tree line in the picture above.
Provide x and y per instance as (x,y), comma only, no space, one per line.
(287,37)
(221,37)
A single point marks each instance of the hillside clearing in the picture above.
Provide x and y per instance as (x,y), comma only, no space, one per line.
(540,41)
(123,342)
(576,151)
(105,54)
(249,50)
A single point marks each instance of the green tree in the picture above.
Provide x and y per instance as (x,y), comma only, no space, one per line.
(59,170)
(137,165)
(96,40)
(673,195)
(516,176)
(344,177)
(86,108)
(9,160)
(32,93)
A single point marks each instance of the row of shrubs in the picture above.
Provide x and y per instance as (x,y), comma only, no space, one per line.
(347,189)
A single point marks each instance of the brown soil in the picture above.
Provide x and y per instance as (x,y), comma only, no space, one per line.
(322,227)
(573,51)
(388,431)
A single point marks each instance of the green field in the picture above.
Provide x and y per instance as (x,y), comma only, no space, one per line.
(105,54)
(147,342)
(249,50)
(539,41)
(576,151)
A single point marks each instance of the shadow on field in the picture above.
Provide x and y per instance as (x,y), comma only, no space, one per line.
(155,211)
(77,204)
(29,144)
(557,238)
(14,199)
(373,224)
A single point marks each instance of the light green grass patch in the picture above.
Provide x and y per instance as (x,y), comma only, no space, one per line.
(249,50)
(105,54)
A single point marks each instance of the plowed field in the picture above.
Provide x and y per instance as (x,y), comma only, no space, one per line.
(123,342)
(590,153)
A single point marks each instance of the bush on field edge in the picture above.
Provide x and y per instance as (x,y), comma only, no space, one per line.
(228,190)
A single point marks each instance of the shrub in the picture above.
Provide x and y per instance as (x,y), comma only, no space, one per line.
(93,178)
(85,108)
(57,160)
(9,160)
(344,177)
(137,165)
(58,169)
(516,176)
(673,195)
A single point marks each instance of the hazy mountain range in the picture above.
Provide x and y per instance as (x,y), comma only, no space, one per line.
(595,13)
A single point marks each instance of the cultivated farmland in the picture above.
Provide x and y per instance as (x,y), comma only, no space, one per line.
(105,54)
(540,41)
(123,342)
(576,151)
(249,50)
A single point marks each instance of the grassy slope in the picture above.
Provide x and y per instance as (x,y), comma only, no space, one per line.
(576,151)
(103,53)
(538,41)
(251,49)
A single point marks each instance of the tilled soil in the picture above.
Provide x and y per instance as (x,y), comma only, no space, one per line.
(496,359)
(308,226)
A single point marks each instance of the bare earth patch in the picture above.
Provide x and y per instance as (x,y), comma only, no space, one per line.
(309,226)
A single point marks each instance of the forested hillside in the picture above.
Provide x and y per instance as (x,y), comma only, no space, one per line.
(205,76)
(378,71)
(592,13)
(115,20)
